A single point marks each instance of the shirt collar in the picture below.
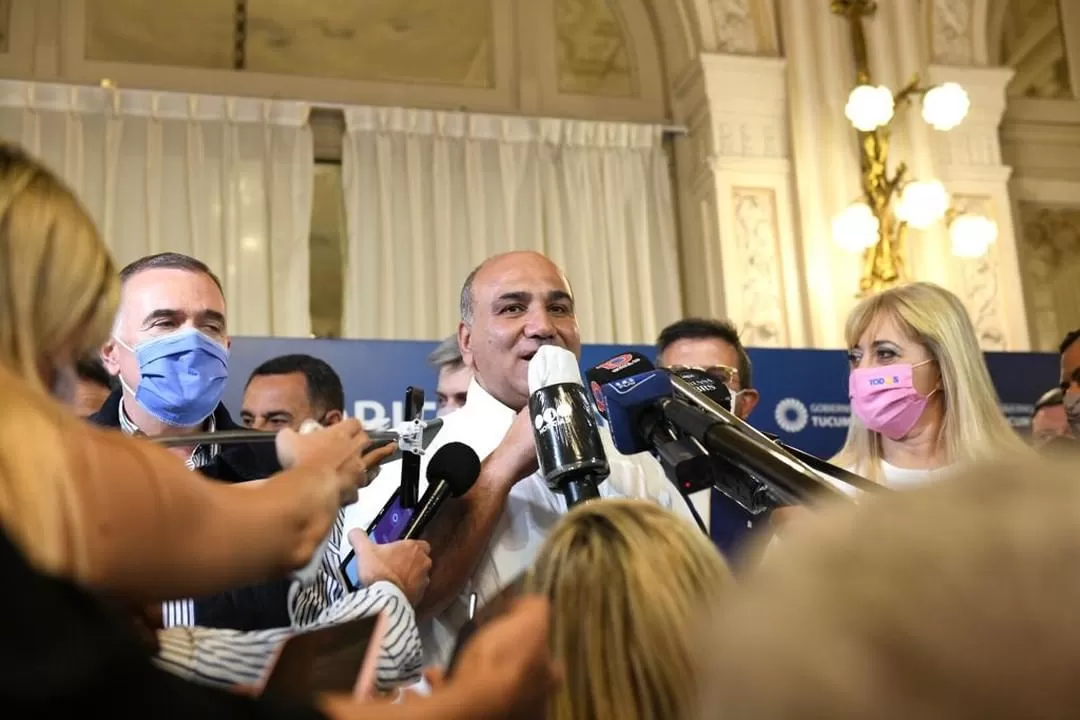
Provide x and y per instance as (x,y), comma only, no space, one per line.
(200,456)
(480,401)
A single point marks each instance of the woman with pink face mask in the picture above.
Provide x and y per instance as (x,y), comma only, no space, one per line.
(921,397)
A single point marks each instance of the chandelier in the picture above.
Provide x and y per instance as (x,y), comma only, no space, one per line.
(876,224)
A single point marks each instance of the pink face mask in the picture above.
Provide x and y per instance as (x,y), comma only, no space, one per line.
(885,399)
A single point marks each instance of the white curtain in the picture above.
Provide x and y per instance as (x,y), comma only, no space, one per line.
(226,180)
(430,195)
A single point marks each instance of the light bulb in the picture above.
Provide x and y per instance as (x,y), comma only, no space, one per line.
(972,235)
(922,203)
(856,227)
(945,106)
(869,107)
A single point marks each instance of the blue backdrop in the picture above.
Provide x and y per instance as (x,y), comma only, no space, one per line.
(803,392)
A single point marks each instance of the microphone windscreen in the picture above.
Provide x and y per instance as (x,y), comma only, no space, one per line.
(457,464)
(553,365)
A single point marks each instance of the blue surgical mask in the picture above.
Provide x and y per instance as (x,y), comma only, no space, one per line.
(181,376)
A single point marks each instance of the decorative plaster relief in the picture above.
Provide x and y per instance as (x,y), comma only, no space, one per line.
(979,283)
(736,31)
(758,137)
(757,266)
(1049,256)
(952,40)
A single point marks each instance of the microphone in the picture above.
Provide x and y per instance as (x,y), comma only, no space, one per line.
(704,391)
(451,473)
(568,445)
(643,403)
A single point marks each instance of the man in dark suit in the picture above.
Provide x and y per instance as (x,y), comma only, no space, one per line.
(169,350)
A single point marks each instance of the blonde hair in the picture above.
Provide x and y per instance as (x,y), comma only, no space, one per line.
(58,283)
(58,295)
(954,600)
(973,425)
(629,584)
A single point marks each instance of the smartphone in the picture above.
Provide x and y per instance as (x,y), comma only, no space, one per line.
(340,658)
(385,528)
(491,610)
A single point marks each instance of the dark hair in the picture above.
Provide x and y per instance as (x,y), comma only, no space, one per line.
(1068,341)
(447,354)
(323,384)
(91,370)
(1050,398)
(169,261)
(704,329)
(466,300)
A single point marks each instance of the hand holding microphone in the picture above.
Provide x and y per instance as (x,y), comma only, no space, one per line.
(337,451)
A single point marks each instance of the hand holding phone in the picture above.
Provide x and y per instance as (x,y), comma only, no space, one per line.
(405,563)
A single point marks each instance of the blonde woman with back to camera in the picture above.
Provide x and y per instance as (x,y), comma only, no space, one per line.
(630,584)
(921,397)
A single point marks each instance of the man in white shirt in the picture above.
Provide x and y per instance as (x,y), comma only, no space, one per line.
(511,305)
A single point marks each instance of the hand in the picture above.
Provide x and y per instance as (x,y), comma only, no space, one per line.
(515,456)
(507,668)
(338,449)
(406,564)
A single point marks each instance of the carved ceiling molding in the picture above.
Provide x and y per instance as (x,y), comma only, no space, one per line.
(742,27)
(958,31)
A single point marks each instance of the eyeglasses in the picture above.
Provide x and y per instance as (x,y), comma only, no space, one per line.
(721,373)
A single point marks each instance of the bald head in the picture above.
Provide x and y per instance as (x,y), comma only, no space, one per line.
(511,304)
(514,256)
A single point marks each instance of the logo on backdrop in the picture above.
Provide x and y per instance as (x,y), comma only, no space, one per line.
(792,415)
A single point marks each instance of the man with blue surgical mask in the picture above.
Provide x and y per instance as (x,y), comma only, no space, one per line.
(170,351)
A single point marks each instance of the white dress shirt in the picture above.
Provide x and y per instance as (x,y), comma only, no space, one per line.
(531,510)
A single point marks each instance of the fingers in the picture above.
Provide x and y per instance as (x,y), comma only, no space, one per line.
(435,677)
(359,540)
(375,457)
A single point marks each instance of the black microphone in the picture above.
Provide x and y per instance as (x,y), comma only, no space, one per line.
(568,445)
(451,473)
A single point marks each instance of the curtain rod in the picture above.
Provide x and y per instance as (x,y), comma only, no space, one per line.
(666,129)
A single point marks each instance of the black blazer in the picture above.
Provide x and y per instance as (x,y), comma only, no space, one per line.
(256,607)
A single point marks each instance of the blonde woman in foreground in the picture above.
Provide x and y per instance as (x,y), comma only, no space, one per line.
(955,600)
(110,512)
(629,583)
(921,397)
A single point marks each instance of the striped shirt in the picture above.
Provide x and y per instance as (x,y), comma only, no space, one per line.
(230,657)
(178,612)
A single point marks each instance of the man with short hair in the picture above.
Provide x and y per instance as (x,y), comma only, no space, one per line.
(715,347)
(511,305)
(286,390)
(454,376)
(170,351)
